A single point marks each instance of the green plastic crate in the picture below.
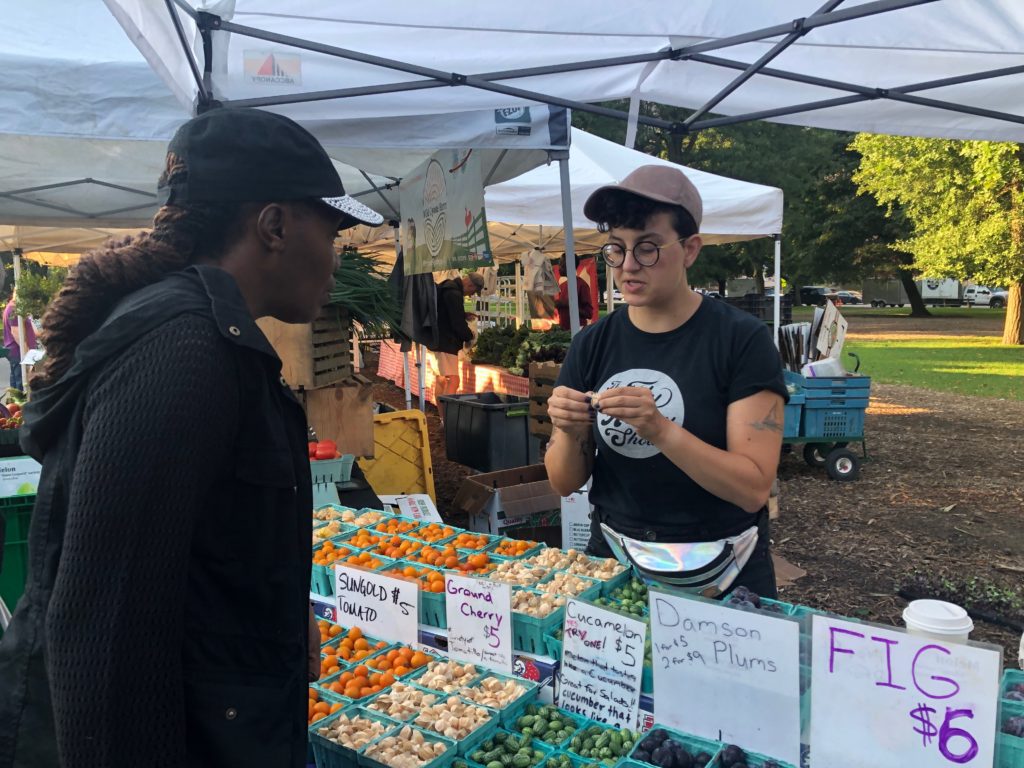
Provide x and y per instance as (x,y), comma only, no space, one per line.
(511,712)
(604,728)
(1009,749)
(326,753)
(17,513)
(577,721)
(443,759)
(692,744)
(528,632)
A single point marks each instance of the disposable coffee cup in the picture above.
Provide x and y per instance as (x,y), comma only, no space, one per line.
(938,620)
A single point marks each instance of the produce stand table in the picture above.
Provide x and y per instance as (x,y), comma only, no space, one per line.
(472,378)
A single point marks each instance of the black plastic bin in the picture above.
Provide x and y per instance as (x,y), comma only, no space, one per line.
(488,431)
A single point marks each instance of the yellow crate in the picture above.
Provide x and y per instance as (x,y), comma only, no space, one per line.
(401,458)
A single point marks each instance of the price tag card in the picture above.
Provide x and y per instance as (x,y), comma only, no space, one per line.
(382,606)
(602,664)
(736,674)
(479,622)
(418,506)
(889,699)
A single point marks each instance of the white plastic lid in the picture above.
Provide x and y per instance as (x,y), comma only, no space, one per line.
(938,617)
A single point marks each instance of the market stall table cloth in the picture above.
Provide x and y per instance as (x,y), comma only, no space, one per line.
(472,378)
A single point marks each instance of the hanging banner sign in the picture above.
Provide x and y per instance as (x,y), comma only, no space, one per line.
(736,674)
(602,664)
(381,606)
(444,225)
(891,699)
(479,622)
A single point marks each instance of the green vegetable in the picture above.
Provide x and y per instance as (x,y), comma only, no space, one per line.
(361,287)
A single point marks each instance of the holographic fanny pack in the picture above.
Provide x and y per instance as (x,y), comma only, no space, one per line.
(707,568)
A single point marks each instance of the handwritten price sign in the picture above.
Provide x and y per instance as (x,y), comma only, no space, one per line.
(900,699)
(382,606)
(479,621)
(736,675)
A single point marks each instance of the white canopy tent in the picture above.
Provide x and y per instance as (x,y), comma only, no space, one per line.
(952,68)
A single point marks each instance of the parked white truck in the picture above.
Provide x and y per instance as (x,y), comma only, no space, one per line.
(935,292)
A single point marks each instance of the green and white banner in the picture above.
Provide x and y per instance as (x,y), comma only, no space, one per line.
(444,225)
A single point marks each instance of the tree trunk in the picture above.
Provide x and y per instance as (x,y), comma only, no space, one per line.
(1013,327)
(917,307)
(721,286)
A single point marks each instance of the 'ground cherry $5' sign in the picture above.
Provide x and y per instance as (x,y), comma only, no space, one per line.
(887,699)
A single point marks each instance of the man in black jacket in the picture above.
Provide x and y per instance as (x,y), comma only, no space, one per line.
(453,331)
(165,621)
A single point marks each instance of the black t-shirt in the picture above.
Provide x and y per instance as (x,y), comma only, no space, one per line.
(720,355)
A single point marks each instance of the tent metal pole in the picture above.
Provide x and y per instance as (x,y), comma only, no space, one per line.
(381,194)
(777,298)
(405,377)
(420,367)
(799,31)
(519,293)
(196,74)
(21,324)
(570,245)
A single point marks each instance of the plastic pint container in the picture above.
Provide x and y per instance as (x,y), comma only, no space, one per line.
(938,620)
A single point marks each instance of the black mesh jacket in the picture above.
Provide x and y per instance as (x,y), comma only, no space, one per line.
(164,621)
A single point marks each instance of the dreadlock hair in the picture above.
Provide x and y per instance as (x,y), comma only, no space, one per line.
(181,236)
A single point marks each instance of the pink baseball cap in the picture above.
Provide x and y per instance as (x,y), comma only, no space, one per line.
(654,182)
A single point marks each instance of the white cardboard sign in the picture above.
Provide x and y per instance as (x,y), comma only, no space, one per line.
(479,622)
(382,606)
(19,476)
(418,506)
(734,675)
(887,699)
(576,520)
(602,664)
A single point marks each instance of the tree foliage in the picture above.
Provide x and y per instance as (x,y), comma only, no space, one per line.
(965,201)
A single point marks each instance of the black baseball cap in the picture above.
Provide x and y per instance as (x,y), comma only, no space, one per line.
(251,155)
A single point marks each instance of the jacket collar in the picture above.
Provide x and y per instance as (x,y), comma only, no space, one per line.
(230,312)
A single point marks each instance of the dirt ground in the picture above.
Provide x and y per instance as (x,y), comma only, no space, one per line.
(938,508)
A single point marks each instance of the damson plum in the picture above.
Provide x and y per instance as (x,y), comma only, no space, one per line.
(702,759)
(733,757)
(1016,692)
(1014,726)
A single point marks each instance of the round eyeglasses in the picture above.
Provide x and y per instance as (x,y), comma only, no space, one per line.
(645,252)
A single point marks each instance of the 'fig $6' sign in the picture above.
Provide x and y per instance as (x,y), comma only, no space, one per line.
(900,698)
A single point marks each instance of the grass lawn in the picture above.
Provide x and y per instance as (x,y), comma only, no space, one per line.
(966,365)
(806,314)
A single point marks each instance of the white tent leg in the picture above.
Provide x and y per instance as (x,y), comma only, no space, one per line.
(777,298)
(570,245)
(610,287)
(519,294)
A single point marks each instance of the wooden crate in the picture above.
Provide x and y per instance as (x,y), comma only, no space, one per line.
(542,381)
(315,354)
(342,413)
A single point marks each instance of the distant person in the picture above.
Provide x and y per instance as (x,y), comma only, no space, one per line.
(453,331)
(586,305)
(11,341)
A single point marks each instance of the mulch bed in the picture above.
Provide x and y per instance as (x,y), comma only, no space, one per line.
(938,509)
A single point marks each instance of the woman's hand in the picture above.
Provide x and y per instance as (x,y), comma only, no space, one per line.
(570,412)
(636,407)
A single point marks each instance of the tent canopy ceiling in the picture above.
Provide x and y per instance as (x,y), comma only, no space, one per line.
(86,121)
(952,68)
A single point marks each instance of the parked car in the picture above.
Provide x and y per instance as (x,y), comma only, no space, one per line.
(616,295)
(813,294)
(998,299)
(849,297)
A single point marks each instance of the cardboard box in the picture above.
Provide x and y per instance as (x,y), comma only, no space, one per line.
(508,498)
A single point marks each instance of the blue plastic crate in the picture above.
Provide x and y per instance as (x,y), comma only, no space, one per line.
(833,422)
(793,411)
(328,471)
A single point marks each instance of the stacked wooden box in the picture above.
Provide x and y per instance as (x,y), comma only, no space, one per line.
(542,381)
(317,363)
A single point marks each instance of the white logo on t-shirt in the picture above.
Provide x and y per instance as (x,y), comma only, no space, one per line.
(620,436)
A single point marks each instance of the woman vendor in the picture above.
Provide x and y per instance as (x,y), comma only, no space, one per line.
(674,405)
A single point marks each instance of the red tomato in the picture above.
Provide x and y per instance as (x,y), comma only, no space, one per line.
(325,453)
(312,450)
(13,408)
(328,444)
